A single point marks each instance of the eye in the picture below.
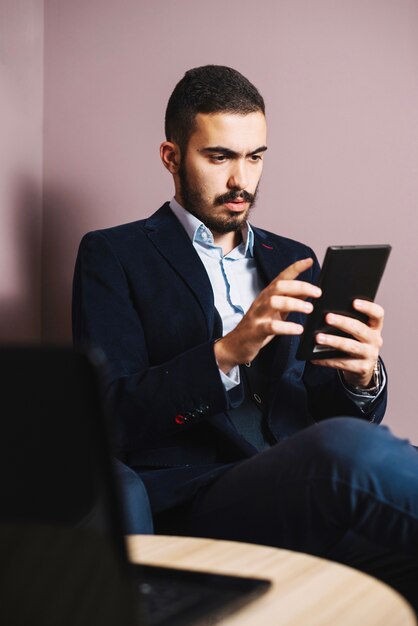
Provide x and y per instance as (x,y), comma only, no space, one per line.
(218,158)
(256,157)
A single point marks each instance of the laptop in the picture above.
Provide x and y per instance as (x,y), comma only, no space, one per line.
(57,476)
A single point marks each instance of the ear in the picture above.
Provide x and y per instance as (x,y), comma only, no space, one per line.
(170,156)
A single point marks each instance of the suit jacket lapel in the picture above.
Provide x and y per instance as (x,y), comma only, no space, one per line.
(172,241)
(269,258)
(284,418)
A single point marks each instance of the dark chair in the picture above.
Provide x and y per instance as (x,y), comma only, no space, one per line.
(136,506)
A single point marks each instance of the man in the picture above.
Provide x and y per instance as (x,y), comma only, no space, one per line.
(200,316)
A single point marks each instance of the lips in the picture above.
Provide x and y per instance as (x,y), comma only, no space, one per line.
(236,205)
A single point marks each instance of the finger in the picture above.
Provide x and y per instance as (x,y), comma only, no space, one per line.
(286,304)
(358,372)
(279,327)
(351,347)
(374,312)
(296,288)
(293,271)
(359,330)
(347,365)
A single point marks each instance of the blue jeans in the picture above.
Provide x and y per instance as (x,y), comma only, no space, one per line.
(343,488)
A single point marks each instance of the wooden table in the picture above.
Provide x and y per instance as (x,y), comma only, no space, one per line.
(306,590)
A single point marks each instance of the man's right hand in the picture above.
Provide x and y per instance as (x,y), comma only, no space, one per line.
(267,317)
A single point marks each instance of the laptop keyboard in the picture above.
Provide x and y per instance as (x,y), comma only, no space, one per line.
(181,597)
(165,601)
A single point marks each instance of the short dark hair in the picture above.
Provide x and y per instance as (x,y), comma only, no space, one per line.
(208,89)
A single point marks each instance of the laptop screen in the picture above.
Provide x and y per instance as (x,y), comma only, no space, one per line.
(53,442)
(59,504)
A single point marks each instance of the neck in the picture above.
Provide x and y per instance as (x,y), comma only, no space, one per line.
(227,241)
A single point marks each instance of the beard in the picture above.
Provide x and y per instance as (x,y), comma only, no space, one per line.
(195,203)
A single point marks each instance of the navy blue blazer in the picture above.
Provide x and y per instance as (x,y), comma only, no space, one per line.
(142,294)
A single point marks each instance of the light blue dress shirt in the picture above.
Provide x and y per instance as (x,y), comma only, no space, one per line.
(235,283)
(234,277)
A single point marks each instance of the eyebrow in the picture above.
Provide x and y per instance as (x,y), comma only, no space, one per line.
(230,153)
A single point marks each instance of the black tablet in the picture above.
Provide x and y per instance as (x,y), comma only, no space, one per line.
(348,272)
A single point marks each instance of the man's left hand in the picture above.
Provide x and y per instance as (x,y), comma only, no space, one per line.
(362,351)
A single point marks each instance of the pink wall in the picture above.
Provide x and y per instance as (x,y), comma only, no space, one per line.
(21,99)
(341,84)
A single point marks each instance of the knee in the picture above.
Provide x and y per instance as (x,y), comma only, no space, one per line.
(352,443)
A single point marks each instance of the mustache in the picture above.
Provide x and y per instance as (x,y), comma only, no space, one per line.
(234,195)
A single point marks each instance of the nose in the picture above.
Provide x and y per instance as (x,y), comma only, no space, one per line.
(238,178)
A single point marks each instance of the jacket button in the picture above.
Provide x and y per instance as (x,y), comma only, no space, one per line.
(257,398)
(179,419)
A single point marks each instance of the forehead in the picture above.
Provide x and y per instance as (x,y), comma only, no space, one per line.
(241,133)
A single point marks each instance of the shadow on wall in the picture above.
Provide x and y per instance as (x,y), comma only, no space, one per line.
(20,290)
(64,225)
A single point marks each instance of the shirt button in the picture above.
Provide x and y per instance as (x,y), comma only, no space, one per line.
(204,235)
(257,398)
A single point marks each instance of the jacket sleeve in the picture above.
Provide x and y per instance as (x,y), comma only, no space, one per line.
(327,397)
(150,401)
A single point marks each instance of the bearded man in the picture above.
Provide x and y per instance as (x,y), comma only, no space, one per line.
(200,315)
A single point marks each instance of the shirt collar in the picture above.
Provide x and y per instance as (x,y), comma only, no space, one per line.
(199,233)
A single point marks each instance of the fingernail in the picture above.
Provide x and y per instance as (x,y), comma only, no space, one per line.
(320,338)
(358,304)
